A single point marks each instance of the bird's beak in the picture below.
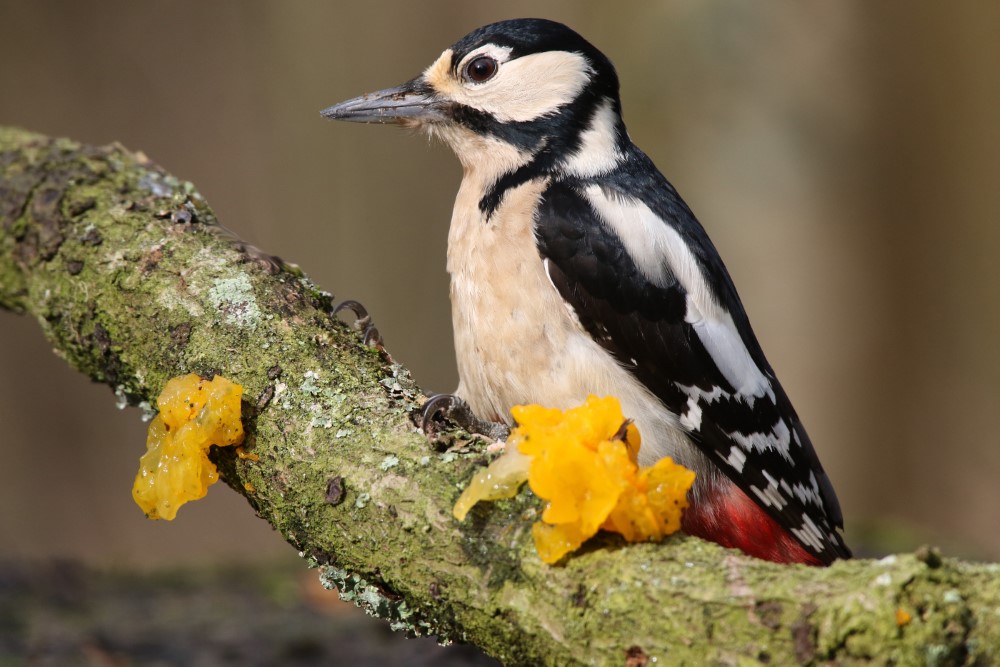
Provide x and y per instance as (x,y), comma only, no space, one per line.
(412,103)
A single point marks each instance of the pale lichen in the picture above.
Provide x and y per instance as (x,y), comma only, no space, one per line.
(376,602)
(233,299)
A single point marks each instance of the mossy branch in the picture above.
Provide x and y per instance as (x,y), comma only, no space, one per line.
(134,282)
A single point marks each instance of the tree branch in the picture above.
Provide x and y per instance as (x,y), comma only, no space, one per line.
(133,282)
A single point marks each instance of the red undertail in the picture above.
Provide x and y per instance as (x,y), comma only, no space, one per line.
(730,518)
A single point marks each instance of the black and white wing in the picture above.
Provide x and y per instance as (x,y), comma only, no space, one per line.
(629,257)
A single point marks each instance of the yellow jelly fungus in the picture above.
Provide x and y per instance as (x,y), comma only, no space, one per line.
(194,415)
(651,506)
(582,462)
(501,479)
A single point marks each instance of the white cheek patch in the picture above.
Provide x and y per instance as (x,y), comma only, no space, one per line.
(523,89)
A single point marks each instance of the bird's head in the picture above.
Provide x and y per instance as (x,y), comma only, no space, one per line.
(509,94)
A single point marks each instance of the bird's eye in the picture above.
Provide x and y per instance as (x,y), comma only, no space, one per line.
(481,69)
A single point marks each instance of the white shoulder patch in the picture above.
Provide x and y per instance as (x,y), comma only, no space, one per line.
(660,252)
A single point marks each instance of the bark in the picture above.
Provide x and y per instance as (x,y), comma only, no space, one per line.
(133,281)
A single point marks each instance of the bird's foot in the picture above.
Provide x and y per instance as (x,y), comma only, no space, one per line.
(370,335)
(441,407)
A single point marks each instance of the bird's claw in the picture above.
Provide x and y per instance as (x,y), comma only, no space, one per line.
(372,337)
(360,312)
(442,407)
(370,334)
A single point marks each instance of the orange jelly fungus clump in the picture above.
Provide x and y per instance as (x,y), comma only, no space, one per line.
(583,463)
(194,414)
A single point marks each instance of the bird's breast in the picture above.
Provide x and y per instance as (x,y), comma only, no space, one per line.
(516,340)
(510,324)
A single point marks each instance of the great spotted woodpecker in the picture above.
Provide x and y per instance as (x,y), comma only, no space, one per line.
(577,269)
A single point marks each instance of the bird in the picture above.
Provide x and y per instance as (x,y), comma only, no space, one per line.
(576,268)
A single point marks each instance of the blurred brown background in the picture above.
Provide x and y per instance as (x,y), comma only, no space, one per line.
(844,157)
